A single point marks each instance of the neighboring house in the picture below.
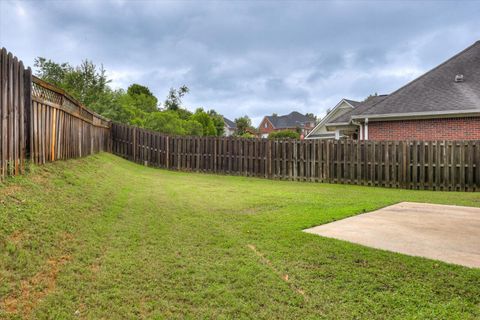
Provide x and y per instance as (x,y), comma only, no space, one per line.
(292,121)
(321,131)
(442,104)
(337,123)
(229,127)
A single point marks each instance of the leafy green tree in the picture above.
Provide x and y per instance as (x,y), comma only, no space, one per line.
(174,98)
(166,122)
(136,106)
(142,98)
(85,82)
(217,122)
(284,134)
(243,123)
(137,89)
(193,128)
(184,113)
(206,121)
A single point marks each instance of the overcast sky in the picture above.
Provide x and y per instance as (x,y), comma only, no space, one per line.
(242,57)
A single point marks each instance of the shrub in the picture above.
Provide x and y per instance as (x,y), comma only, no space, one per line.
(284,134)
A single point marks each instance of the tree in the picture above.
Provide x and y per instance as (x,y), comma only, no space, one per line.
(136,106)
(206,121)
(311,116)
(166,122)
(193,128)
(85,82)
(174,98)
(243,123)
(142,98)
(136,89)
(217,121)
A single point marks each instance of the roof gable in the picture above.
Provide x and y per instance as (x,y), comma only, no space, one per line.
(359,109)
(333,114)
(229,123)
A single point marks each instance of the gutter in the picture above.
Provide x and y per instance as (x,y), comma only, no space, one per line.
(419,115)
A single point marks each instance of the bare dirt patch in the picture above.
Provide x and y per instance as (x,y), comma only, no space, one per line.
(282,275)
(36,288)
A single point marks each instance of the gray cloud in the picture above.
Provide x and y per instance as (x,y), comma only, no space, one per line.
(242,57)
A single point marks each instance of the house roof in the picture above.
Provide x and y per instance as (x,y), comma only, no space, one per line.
(292,120)
(353,103)
(229,123)
(436,91)
(332,114)
(359,108)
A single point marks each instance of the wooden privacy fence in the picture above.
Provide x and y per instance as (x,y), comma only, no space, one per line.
(14,118)
(61,128)
(41,122)
(436,165)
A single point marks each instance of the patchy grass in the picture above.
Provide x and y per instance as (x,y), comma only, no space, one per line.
(104,238)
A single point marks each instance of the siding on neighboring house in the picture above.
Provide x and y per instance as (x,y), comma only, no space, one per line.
(426,129)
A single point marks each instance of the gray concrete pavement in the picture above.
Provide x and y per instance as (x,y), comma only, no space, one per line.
(447,233)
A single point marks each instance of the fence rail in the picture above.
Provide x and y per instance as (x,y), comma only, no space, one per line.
(434,165)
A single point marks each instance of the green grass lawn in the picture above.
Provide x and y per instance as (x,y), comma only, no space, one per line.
(101,237)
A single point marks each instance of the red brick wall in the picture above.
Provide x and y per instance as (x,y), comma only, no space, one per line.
(430,129)
(269,127)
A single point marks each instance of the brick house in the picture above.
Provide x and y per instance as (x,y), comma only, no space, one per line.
(292,121)
(442,104)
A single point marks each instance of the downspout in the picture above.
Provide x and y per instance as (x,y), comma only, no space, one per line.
(366,128)
(360,129)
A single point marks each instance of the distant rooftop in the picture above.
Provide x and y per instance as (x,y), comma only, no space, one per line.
(291,120)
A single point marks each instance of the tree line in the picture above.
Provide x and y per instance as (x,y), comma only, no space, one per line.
(137,105)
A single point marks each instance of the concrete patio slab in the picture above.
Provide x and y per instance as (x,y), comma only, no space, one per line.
(446,233)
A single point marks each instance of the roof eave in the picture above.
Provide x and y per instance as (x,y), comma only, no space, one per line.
(337,124)
(417,115)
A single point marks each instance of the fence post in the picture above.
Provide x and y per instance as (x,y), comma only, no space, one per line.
(134,144)
(269,158)
(167,152)
(27,86)
(214,154)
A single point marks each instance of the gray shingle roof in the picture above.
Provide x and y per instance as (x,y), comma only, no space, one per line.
(229,123)
(436,90)
(292,120)
(360,107)
(353,102)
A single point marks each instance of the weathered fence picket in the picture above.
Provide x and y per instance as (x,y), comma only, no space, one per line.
(41,122)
